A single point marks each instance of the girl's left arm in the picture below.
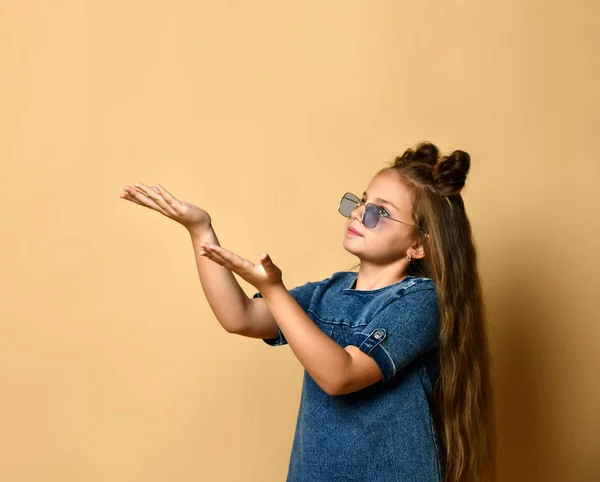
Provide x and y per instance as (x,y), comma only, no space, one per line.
(335,369)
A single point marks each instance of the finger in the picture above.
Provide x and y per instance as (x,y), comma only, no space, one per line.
(128,190)
(224,260)
(158,199)
(212,250)
(138,197)
(129,197)
(217,258)
(168,196)
(268,265)
(266,261)
(212,257)
(235,260)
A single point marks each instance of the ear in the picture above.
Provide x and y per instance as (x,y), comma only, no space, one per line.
(418,250)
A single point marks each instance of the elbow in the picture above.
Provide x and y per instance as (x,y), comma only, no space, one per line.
(235,331)
(233,328)
(331,393)
(339,381)
(337,390)
(334,387)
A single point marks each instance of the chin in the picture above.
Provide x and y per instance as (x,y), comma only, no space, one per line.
(350,249)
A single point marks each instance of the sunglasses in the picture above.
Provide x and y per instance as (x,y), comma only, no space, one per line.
(371,213)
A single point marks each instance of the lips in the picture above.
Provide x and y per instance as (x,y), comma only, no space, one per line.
(354,231)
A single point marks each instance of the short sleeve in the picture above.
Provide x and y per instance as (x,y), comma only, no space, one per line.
(302,294)
(402,331)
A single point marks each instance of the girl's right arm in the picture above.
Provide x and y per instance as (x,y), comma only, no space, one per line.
(236,312)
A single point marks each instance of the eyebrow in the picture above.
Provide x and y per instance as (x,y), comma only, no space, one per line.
(383,201)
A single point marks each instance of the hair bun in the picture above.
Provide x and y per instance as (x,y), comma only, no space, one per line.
(426,153)
(450,173)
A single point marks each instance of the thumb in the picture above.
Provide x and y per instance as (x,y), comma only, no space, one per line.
(265,260)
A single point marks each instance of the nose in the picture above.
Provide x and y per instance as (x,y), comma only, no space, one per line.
(357,213)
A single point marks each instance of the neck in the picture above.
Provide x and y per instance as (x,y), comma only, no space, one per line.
(372,277)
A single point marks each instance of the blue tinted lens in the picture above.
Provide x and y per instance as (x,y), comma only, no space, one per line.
(371,215)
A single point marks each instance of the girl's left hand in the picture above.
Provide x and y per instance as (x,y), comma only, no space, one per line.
(262,276)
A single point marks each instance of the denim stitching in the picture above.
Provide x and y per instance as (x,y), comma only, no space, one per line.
(394,369)
(371,338)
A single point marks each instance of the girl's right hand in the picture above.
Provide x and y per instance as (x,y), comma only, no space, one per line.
(158,198)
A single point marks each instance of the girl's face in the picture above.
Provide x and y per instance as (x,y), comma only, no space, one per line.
(389,240)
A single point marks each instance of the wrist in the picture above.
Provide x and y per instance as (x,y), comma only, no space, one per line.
(268,291)
(200,230)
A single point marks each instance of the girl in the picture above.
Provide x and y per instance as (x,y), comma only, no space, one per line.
(396,382)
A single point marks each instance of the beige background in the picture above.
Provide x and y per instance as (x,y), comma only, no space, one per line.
(112,366)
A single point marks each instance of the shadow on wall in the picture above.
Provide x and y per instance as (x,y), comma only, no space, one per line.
(529,357)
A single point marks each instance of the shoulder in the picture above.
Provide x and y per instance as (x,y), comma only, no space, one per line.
(414,284)
(418,282)
(418,294)
(341,279)
(412,293)
(335,280)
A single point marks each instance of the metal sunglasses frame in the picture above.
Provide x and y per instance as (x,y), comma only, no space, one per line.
(358,202)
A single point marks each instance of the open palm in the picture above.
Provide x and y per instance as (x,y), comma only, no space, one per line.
(261,276)
(159,199)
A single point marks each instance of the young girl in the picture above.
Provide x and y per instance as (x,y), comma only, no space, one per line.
(396,383)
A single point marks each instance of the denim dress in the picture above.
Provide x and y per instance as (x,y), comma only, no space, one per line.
(383,432)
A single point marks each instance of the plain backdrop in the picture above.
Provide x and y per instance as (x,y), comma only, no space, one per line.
(113,368)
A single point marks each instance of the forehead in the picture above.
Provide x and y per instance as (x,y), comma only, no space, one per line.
(389,187)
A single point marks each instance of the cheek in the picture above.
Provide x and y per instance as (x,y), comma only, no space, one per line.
(384,232)
(392,240)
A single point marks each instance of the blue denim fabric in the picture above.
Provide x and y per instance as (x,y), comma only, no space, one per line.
(383,432)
